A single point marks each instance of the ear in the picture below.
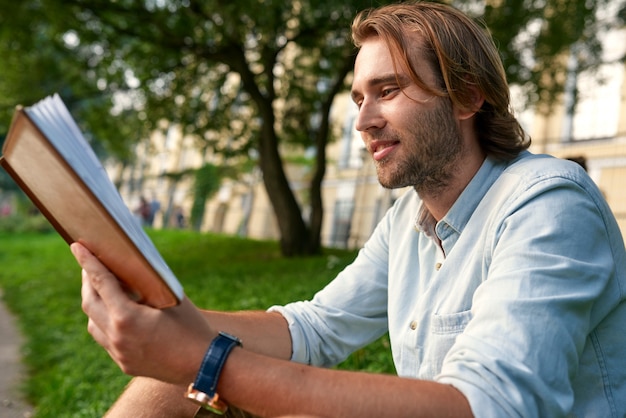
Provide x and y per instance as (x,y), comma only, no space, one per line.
(477,100)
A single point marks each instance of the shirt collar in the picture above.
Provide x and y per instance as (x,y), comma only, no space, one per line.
(461,211)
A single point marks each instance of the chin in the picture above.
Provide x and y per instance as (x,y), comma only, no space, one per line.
(391,184)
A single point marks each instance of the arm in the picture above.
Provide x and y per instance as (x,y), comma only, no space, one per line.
(271,387)
(263,332)
(144,341)
(169,345)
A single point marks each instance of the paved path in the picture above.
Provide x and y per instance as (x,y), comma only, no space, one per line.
(11,371)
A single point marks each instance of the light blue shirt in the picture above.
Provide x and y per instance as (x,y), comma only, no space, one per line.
(521,308)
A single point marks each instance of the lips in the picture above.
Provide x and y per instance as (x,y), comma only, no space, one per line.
(381,149)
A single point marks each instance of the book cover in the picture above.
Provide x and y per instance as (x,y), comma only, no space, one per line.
(50,160)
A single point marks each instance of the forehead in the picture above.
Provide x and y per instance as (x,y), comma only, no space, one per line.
(376,60)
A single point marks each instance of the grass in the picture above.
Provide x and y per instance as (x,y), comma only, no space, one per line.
(71,376)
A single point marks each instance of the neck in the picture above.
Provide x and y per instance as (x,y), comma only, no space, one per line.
(441,200)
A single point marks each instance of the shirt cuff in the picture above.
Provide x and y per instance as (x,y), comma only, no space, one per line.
(299,352)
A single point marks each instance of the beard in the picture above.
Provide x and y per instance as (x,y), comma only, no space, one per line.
(428,156)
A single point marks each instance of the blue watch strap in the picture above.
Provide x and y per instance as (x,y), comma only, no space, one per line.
(213,362)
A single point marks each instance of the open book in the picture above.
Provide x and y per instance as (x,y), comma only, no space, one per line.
(48,157)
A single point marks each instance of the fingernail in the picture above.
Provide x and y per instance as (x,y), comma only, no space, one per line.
(75,248)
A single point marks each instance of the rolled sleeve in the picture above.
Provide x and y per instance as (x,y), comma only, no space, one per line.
(299,352)
(349,313)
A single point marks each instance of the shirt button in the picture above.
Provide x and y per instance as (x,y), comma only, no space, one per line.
(413,325)
(437,266)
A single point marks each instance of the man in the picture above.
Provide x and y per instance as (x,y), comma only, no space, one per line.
(500,279)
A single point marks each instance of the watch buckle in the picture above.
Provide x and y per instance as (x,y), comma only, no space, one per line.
(213,404)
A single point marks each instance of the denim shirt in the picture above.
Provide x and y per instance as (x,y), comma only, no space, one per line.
(521,308)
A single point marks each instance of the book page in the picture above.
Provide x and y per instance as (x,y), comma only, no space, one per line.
(55,121)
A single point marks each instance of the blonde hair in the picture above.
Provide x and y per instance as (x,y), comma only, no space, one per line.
(463,56)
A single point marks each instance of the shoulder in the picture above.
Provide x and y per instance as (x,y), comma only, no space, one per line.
(532,165)
(541,166)
(405,210)
(400,218)
(553,190)
(538,171)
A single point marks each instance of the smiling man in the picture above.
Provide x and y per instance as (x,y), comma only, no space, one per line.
(500,278)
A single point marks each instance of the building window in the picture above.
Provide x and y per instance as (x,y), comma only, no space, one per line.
(342,215)
(351,143)
(597,110)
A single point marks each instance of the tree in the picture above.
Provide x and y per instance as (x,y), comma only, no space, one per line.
(249,78)
(210,65)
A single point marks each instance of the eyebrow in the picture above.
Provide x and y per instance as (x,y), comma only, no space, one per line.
(401,79)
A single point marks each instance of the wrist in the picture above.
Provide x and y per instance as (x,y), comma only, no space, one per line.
(203,390)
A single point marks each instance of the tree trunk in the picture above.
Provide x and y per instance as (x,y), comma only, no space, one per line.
(294,234)
(321,140)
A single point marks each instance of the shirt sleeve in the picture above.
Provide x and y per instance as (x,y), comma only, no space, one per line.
(349,313)
(549,283)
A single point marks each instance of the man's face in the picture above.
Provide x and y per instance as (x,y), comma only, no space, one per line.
(412,135)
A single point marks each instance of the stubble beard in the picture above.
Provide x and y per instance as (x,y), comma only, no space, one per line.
(430,156)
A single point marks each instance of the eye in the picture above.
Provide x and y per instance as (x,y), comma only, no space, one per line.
(357,99)
(388,91)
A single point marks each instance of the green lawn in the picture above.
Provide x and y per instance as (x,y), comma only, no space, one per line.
(71,376)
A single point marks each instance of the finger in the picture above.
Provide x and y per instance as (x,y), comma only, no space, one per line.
(100,337)
(88,293)
(92,304)
(103,282)
(97,334)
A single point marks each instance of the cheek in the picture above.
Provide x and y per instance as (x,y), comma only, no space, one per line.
(405,118)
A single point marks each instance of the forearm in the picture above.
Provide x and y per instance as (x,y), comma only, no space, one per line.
(271,387)
(258,379)
(262,332)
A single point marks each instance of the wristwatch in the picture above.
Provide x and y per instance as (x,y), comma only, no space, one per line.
(203,390)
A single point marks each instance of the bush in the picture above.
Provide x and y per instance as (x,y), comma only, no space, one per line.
(20,224)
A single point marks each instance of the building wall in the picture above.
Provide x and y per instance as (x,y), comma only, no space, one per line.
(155,157)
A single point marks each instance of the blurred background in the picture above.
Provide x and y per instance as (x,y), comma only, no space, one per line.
(235,118)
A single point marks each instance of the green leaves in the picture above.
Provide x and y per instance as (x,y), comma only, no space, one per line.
(206,184)
(535,37)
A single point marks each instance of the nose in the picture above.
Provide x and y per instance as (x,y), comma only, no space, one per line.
(369,117)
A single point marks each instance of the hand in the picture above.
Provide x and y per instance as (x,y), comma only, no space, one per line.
(165,344)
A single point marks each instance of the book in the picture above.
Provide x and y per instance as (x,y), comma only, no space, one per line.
(48,157)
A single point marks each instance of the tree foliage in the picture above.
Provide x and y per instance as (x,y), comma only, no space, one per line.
(248,78)
(535,38)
